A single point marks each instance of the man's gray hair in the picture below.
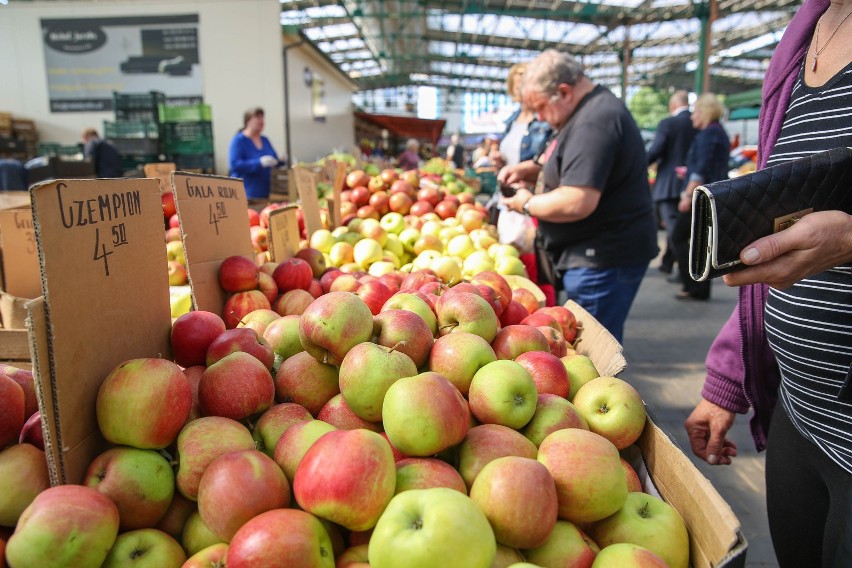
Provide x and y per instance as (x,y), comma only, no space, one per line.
(550,69)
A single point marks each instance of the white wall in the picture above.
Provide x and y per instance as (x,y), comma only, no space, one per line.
(239,48)
(311,139)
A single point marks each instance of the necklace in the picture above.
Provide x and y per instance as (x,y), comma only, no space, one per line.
(816,39)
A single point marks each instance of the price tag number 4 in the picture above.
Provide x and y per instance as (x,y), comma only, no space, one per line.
(217,212)
(119,238)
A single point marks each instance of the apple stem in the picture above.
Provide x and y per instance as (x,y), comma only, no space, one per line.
(449,325)
(644,511)
(398,344)
(603,409)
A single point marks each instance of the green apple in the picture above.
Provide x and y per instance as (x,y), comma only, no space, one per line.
(196,536)
(475,263)
(466,311)
(488,442)
(296,442)
(567,546)
(366,374)
(425,528)
(613,409)
(283,336)
(503,392)
(626,555)
(508,264)
(393,223)
(394,245)
(322,240)
(23,469)
(145,548)
(174,252)
(458,356)
(413,303)
(581,370)
(649,522)
(408,237)
(552,413)
(461,245)
(482,239)
(497,250)
(586,467)
(383,267)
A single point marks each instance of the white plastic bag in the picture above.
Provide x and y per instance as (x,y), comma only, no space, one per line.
(516,229)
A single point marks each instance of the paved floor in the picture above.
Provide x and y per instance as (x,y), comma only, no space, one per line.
(665,344)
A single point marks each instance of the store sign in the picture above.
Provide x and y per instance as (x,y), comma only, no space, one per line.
(87,59)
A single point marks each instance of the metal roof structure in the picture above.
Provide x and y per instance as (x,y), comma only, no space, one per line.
(468,45)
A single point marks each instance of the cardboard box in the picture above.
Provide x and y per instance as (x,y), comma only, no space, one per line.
(715,539)
(21,275)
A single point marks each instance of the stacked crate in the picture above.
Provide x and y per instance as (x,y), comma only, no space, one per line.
(18,138)
(136,132)
(25,131)
(187,137)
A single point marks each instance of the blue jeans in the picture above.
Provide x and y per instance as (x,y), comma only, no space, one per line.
(606,293)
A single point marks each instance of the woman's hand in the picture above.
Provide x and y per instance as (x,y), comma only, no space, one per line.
(685,204)
(707,428)
(516,202)
(817,242)
(524,172)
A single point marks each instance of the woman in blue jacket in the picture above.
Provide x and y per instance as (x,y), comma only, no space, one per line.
(251,156)
(525,135)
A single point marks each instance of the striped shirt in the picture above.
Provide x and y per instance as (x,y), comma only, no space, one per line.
(809,325)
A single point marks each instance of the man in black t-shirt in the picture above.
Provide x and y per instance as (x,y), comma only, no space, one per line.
(594,211)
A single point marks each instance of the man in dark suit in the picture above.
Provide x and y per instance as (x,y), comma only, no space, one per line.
(668,151)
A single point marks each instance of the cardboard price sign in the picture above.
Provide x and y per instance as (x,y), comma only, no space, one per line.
(306,186)
(283,233)
(162,171)
(106,293)
(214,226)
(335,173)
(20,255)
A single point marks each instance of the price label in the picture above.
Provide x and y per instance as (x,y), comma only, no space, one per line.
(283,233)
(162,171)
(22,277)
(306,185)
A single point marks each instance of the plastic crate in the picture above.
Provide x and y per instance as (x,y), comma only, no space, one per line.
(192,113)
(131,129)
(487,181)
(138,106)
(187,138)
(50,149)
(204,163)
(145,146)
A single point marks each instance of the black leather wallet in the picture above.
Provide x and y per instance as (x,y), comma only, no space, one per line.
(729,215)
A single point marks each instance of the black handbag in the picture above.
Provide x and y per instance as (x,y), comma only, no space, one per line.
(729,215)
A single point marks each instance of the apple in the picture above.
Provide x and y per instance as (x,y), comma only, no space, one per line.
(237,487)
(587,469)
(240,340)
(518,496)
(259,542)
(374,294)
(432,527)
(175,252)
(526,299)
(258,320)
(238,274)
(567,546)
(346,477)
(458,356)
(315,260)
(153,388)
(13,404)
(552,413)
(406,332)
(333,324)
(177,273)
(430,195)
(367,212)
(337,413)
(613,409)
(634,484)
(197,536)
(509,557)
(236,373)
(264,213)
(649,522)
(145,548)
(416,303)
(328,278)
(176,516)
(283,336)
(566,320)
(345,283)
(241,304)
(488,442)
(192,335)
(360,196)
(491,297)
(81,536)
(388,177)
(472,219)
(315,288)
(540,319)
(173,235)
(547,372)
(380,201)
(259,238)
(23,469)
(305,381)
(629,556)
(446,209)
(293,302)
(267,268)
(293,273)
(168,200)
(354,557)
(140,483)
(200,443)
(514,340)
(581,370)
(274,422)
(400,203)
(376,184)
(211,557)
(322,240)
(468,312)
(510,265)
(420,208)
(513,314)
(356,178)
(425,473)
(295,442)
(424,414)
(32,432)
(503,393)
(406,183)
(556,344)
(366,374)
(253,217)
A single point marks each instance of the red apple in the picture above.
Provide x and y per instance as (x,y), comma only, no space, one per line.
(356,178)
(168,200)
(566,320)
(491,297)
(315,288)
(420,208)
(359,196)
(267,286)
(458,356)
(241,339)
(425,473)
(552,413)
(236,373)
(328,278)
(567,546)
(513,340)
(173,235)
(345,283)
(416,279)
(558,346)
(547,372)
(367,212)
(32,433)
(292,274)
(305,381)
(513,314)
(526,298)
(237,274)
(259,542)
(259,238)
(634,484)
(176,516)
(337,413)
(253,217)
(24,378)
(488,442)
(406,332)
(241,304)
(293,302)
(400,203)
(23,469)
(273,423)
(333,324)
(192,334)
(380,201)
(430,195)
(541,319)
(264,213)
(388,177)
(446,209)
(315,260)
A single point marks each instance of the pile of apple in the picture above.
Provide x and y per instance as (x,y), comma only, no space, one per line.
(174,245)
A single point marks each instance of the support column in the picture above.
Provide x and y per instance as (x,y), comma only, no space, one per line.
(625,64)
(707,12)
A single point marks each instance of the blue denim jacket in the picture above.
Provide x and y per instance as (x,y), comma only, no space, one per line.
(537,133)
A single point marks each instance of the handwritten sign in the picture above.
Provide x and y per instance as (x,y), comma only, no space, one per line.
(162,171)
(105,279)
(283,233)
(214,226)
(306,186)
(338,180)
(20,255)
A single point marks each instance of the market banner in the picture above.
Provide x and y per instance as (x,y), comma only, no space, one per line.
(89,58)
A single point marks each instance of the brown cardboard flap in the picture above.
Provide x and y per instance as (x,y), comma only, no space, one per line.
(162,172)
(20,256)
(14,345)
(598,344)
(335,173)
(214,226)
(713,527)
(306,187)
(105,280)
(283,233)
(9,199)
(37,329)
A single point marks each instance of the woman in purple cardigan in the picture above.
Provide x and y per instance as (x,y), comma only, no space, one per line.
(786,351)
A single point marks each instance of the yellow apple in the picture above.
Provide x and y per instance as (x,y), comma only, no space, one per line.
(380,268)
(482,239)
(447,269)
(339,231)
(341,253)
(461,245)
(366,252)
(388,256)
(499,250)
(394,245)
(477,262)
(431,228)
(408,237)
(350,267)
(322,240)
(510,265)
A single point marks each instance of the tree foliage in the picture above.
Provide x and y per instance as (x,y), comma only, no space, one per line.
(648,107)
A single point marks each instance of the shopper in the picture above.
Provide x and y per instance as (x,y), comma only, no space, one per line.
(251,156)
(103,155)
(671,143)
(706,162)
(409,159)
(525,134)
(795,301)
(595,214)
(455,152)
